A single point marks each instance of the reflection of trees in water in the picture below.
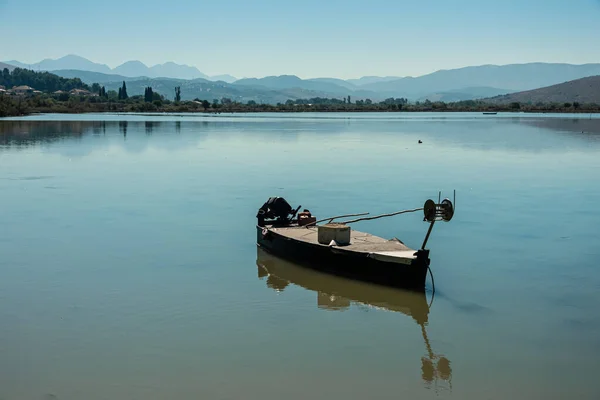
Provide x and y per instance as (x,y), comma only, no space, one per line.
(583,127)
(150,126)
(123,128)
(33,132)
(26,132)
(97,129)
(137,135)
(29,133)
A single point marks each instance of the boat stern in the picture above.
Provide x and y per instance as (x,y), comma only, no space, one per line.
(422,257)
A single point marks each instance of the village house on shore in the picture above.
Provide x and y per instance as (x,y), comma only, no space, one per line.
(25,90)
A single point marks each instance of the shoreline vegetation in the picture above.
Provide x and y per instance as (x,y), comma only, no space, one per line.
(42,92)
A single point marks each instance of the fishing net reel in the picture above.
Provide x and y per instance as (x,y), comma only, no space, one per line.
(443,211)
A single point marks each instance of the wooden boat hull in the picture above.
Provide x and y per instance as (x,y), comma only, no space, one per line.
(348,264)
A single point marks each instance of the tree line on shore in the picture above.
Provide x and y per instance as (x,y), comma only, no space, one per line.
(100,100)
(42,81)
(47,104)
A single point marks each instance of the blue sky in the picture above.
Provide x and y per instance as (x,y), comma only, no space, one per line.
(308,38)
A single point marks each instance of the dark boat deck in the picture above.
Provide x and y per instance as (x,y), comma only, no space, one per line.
(375,247)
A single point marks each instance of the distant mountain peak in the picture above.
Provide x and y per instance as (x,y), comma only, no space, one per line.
(225,78)
(582,90)
(70,61)
(289,76)
(169,69)
(133,62)
(173,70)
(172,63)
(10,67)
(131,68)
(365,80)
(275,78)
(73,57)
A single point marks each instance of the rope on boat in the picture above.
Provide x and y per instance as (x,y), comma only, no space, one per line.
(376,217)
(383,215)
(432,286)
(336,217)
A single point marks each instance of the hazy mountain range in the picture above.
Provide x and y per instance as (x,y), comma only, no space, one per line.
(372,79)
(513,77)
(10,67)
(584,90)
(130,69)
(474,82)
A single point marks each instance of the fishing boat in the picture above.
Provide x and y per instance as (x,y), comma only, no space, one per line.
(336,248)
(490,113)
(335,293)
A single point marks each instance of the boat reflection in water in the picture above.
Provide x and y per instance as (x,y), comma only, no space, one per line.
(336,293)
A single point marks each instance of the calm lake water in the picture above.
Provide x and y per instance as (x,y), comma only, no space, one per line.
(129,268)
